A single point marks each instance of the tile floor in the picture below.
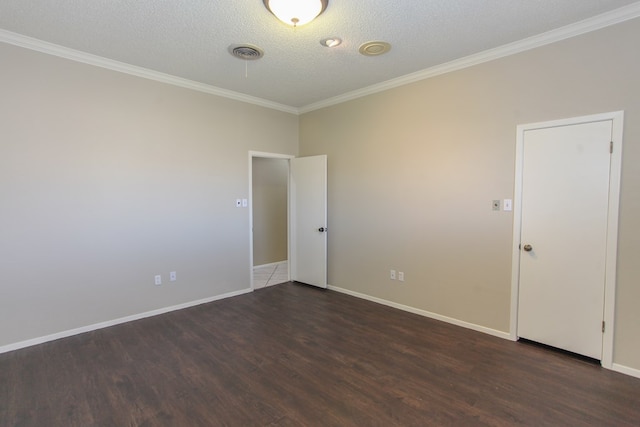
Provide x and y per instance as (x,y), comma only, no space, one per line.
(270,274)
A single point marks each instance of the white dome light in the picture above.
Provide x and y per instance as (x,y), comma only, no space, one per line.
(296,12)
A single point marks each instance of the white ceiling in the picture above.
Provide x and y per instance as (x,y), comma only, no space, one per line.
(189,38)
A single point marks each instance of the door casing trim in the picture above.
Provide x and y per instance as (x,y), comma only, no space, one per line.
(617,118)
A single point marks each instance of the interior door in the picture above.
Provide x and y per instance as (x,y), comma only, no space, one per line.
(565,196)
(308,218)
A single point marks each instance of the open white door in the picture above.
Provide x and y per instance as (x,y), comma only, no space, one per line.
(308,220)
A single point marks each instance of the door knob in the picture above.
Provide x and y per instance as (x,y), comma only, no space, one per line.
(527,248)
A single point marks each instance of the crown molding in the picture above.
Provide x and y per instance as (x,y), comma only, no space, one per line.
(588,25)
(99,61)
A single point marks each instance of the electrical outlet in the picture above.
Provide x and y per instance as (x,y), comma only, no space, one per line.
(158,279)
(401,276)
(392,275)
(172,276)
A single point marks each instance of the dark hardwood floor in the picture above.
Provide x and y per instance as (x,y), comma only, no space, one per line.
(292,355)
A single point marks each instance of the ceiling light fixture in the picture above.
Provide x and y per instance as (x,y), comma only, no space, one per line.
(331,42)
(296,12)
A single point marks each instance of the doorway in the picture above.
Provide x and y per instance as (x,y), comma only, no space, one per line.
(306,211)
(565,233)
(269,203)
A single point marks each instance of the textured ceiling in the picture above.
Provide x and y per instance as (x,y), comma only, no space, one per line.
(189,38)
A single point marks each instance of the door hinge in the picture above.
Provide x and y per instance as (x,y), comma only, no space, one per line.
(611,147)
(603,326)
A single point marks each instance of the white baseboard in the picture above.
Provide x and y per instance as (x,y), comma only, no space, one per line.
(626,370)
(34,341)
(271,264)
(108,323)
(425,313)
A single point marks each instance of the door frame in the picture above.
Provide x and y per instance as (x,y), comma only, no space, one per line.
(617,118)
(287,157)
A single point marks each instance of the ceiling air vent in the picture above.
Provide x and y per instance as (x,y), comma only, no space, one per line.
(374,48)
(246,51)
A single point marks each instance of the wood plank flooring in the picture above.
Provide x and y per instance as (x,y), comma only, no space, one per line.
(292,355)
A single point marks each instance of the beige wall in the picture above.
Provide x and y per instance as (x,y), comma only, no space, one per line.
(107,180)
(270,182)
(413,170)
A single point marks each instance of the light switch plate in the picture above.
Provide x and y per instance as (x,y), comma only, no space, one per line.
(507,204)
